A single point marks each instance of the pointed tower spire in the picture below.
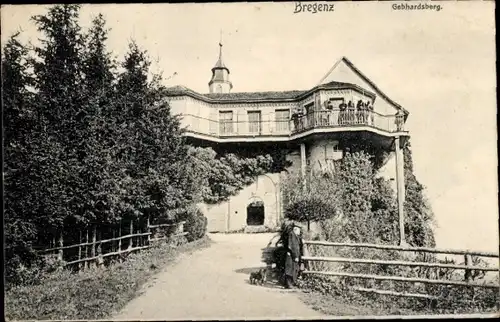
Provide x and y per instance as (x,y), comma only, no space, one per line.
(220,74)
(220,63)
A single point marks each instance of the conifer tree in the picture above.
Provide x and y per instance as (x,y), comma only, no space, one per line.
(18,120)
(98,171)
(151,148)
(59,100)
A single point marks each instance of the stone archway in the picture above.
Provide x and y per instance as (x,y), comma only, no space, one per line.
(255,212)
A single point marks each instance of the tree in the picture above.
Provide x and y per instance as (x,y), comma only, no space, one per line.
(55,162)
(315,199)
(350,204)
(419,217)
(87,144)
(150,147)
(18,120)
(98,172)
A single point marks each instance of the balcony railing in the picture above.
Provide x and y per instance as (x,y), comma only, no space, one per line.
(336,118)
(312,120)
(225,128)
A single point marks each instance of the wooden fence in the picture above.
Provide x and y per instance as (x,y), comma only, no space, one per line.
(93,252)
(467,267)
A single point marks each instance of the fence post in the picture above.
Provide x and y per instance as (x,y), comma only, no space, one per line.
(130,245)
(99,250)
(93,242)
(113,242)
(87,247)
(60,255)
(139,239)
(80,249)
(148,230)
(468,262)
(120,235)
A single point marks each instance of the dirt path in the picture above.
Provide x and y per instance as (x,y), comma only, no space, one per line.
(213,284)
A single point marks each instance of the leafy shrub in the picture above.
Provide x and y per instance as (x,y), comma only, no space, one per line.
(367,213)
(314,199)
(195,224)
(222,175)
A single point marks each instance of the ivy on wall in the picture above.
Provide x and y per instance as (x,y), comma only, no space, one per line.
(355,205)
(222,175)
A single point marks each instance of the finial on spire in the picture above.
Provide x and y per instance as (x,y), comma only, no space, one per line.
(219,63)
(220,74)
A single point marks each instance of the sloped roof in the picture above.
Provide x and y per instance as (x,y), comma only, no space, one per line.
(369,81)
(220,64)
(236,97)
(254,95)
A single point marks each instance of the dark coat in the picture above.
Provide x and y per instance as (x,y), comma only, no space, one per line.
(291,266)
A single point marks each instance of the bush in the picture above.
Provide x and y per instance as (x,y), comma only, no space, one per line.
(196,224)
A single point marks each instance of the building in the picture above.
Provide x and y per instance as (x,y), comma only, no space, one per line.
(313,127)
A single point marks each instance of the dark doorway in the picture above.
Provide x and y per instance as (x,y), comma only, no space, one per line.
(255,213)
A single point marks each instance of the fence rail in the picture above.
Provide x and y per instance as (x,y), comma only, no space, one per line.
(467,267)
(90,259)
(417,295)
(397,263)
(401,279)
(405,249)
(95,245)
(166,237)
(167,225)
(104,241)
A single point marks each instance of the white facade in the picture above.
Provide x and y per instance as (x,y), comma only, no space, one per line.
(309,123)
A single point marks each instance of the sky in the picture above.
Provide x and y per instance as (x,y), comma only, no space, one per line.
(439,65)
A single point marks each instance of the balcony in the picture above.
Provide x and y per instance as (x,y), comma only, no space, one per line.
(346,119)
(229,129)
(284,130)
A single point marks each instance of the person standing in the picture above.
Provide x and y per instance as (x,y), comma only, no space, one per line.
(342,113)
(360,112)
(351,112)
(292,257)
(372,115)
(399,120)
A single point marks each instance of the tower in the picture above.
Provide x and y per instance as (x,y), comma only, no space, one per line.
(220,76)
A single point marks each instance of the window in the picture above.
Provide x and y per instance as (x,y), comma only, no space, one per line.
(309,107)
(334,102)
(333,152)
(226,122)
(254,120)
(282,120)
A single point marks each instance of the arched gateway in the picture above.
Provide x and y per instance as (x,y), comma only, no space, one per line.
(255,212)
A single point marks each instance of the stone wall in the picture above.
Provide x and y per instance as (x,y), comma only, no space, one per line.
(322,153)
